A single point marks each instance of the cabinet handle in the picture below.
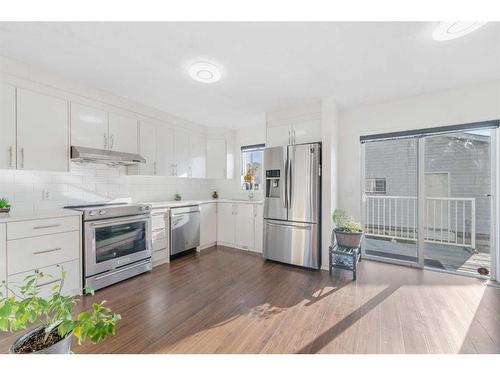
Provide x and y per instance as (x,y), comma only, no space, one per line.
(49,282)
(105,141)
(21,151)
(47,226)
(289,137)
(11,156)
(154,168)
(111,141)
(294,136)
(47,251)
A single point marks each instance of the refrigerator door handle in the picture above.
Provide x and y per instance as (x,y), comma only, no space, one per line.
(298,226)
(289,179)
(285,190)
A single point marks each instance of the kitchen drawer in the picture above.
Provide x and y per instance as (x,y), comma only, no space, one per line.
(159,244)
(70,286)
(160,256)
(32,228)
(158,222)
(30,253)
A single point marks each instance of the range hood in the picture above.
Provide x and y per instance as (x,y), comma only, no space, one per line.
(111,158)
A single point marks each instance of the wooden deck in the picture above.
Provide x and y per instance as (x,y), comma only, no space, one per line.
(230,301)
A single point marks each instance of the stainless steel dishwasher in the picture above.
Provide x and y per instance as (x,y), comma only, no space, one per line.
(184,229)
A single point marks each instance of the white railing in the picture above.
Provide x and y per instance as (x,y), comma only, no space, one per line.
(450,221)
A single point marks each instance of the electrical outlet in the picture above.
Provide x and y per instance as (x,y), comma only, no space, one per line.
(45,195)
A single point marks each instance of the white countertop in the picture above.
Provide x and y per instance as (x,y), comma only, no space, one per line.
(168,204)
(14,215)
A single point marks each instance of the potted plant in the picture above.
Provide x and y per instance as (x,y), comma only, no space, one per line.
(4,205)
(177,197)
(347,231)
(53,316)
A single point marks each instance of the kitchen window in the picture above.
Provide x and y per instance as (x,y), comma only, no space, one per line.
(251,166)
(375,186)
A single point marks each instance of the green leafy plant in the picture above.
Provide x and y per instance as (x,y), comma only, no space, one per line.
(344,223)
(178,197)
(55,313)
(4,203)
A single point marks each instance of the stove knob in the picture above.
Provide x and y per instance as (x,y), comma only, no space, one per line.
(102,212)
(92,213)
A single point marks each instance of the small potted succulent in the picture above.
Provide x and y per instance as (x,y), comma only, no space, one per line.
(4,205)
(347,231)
(177,197)
(53,316)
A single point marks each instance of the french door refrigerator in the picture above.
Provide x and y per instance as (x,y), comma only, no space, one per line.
(292,205)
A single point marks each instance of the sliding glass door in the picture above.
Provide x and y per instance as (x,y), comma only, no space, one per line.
(390,199)
(457,182)
(427,200)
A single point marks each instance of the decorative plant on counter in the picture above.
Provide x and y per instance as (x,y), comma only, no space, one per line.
(4,205)
(177,197)
(54,317)
(348,231)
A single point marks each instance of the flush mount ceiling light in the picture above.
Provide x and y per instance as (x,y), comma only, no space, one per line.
(204,71)
(456,29)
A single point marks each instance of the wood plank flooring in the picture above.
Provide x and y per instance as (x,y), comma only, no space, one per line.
(229,301)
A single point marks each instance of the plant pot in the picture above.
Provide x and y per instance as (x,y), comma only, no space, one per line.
(348,239)
(63,346)
(4,210)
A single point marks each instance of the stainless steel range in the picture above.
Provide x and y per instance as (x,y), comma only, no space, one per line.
(116,242)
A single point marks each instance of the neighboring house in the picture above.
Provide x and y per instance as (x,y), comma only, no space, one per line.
(456,165)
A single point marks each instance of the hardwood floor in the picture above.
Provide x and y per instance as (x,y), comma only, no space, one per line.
(229,301)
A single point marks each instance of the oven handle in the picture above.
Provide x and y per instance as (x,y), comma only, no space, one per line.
(100,223)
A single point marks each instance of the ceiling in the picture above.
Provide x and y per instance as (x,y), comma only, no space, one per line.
(264,65)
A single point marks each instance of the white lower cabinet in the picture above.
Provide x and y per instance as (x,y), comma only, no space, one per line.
(46,245)
(208,225)
(160,235)
(240,225)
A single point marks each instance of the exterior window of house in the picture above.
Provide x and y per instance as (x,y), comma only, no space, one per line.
(251,166)
(375,186)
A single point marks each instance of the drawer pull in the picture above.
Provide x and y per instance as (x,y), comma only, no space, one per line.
(47,251)
(48,283)
(47,226)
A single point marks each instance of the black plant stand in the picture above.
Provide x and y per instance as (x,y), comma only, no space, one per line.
(346,258)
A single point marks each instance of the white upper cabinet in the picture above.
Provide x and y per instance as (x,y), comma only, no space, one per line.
(7,127)
(42,132)
(122,133)
(165,151)
(216,158)
(148,148)
(244,228)
(182,157)
(89,127)
(198,156)
(307,131)
(278,136)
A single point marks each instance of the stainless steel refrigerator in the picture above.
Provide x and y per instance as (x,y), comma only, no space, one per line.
(292,206)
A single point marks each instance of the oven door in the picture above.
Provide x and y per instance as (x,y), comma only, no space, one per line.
(110,244)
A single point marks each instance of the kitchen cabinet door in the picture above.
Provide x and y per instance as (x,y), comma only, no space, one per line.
(7,127)
(165,151)
(307,131)
(225,223)
(182,157)
(198,156)
(208,224)
(216,158)
(42,132)
(244,228)
(89,127)
(147,148)
(122,133)
(278,136)
(259,226)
